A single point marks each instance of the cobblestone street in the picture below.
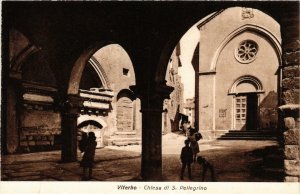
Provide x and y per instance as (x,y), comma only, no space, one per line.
(232,160)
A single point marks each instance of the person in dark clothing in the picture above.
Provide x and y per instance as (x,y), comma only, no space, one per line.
(186,157)
(83,142)
(88,156)
(206,165)
(191,134)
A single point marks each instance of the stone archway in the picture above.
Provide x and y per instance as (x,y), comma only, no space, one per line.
(79,66)
(18,98)
(74,103)
(96,97)
(92,125)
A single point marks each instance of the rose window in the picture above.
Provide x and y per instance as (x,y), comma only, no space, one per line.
(246,52)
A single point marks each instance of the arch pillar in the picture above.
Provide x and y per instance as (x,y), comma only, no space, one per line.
(152,97)
(69,115)
(11,135)
(290,92)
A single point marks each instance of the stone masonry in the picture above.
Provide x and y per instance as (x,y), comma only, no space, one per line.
(290,93)
(291,148)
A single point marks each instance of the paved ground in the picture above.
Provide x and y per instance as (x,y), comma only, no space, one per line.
(232,160)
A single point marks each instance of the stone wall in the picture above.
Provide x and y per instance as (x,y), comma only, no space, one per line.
(291,149)
(39,130)
(39,139)
(290,92)
(173,106)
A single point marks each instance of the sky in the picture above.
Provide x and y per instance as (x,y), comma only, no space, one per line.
(188,44)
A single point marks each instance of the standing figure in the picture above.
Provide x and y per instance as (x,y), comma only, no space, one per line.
(88,156)
(185,127)
(82,143)
(186,157)
(191,134)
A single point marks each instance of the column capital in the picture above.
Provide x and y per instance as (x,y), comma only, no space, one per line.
(152,96)
(71,104)
(153,90)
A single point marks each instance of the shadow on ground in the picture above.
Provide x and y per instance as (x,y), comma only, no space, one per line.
(233,161)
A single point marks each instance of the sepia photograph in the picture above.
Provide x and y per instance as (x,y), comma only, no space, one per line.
(150,97)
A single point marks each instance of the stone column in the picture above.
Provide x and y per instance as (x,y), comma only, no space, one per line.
(152,97)
(12,134)
(290,91)
(291,143)
(69,115)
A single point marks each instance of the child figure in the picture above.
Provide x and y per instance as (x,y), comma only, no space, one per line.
(186,157)
(206,165)
(88,156)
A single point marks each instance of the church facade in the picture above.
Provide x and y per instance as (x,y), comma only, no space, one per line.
(238,71)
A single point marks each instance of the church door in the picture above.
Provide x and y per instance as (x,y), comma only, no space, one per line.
(251,116)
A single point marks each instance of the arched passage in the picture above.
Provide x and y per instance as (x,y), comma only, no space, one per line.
(98,79)
(59,31)
(241,82)
(30,95)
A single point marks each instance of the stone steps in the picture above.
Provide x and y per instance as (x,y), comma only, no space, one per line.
(124,139)
(249,135)
(125,142)
(247,138)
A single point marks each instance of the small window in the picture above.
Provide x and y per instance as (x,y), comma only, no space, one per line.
(125,72)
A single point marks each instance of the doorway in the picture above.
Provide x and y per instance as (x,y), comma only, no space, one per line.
(246,107)
(251,115)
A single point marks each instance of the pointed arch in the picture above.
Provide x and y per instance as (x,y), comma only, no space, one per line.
(275,42)
(100,72)
(80,64)
(21,52)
